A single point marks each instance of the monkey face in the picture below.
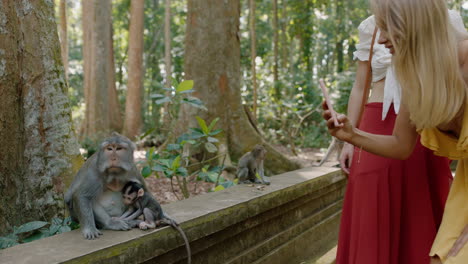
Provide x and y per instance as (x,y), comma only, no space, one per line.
(115,156)
(129,198)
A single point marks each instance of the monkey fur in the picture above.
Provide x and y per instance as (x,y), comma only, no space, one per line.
(250,164)
(141,202)
(94,197)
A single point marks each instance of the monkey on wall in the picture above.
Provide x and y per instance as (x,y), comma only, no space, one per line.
(250,164)
(141,202)
(94,198)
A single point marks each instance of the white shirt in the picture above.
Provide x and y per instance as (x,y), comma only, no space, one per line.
(382,59)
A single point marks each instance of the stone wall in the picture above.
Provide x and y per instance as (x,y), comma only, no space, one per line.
(293,220)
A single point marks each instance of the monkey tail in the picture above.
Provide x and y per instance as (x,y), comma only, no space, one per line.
(187,245)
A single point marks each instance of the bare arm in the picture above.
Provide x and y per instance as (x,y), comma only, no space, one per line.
(399,145)
(355,98)
(354,108)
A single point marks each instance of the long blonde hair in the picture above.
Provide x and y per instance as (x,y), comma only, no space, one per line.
(426,58)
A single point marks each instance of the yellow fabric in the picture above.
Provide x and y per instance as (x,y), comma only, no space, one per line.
(456,209)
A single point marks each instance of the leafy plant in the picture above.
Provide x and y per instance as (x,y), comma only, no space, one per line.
(36,230)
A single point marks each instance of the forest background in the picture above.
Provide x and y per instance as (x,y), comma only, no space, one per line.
(195,83)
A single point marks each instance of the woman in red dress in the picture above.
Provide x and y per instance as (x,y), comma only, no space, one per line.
(392,208)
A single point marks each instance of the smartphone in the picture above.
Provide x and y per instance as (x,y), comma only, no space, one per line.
(329,104)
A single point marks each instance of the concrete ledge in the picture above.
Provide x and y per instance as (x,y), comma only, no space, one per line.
(293,220)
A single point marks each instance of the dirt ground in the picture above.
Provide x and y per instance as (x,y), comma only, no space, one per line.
(166,193)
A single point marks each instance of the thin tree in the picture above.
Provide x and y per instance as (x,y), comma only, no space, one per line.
(39,149)
(63,35)
(167,56)
(212,60)
(133,117)
(253,52)
(275,50)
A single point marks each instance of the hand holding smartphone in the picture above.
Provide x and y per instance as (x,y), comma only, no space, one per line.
(328,101)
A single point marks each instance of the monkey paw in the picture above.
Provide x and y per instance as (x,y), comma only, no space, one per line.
(143,226)
(118,224)
(91,233)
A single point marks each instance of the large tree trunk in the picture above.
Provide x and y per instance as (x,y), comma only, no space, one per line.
(39,152)
(98,71)
(133,119)
(63,35)
(212,60)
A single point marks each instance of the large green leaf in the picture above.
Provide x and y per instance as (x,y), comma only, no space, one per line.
(184,86)
(202,124)
(163,100)
(37,236)
(210,147)
(146,172)
(157,96)
(8,241)
(219,188)
(194,102)
(212,140)
(31,226)
(182,171)
(215,132)
(213,123)
(173,147)
(176,163)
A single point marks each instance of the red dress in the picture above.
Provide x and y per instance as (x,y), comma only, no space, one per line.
(392,208)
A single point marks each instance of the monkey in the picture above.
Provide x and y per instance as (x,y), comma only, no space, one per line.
(94,197)
(250,164)
(141,202)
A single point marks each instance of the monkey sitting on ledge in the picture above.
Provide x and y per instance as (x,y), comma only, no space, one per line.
(141,202)
(250,164)
(94,198)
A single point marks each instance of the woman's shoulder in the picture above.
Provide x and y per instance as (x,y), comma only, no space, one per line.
(463,56)
(367,25)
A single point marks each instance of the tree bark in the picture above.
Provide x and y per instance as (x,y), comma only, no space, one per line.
(99,72)
(167,58)
(63,35)
(39,152)
(133,118)
(212,60)
(253,52)
(275,50)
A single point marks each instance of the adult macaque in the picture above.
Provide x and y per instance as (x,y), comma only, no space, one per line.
(250,164)
(94,198)
(141,202)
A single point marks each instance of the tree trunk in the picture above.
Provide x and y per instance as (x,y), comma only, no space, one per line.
(115,113)
(253,52)
(275,50)
(39,150)
(167,58)
(133,118)
(98,71)
(212,60)
(63,35)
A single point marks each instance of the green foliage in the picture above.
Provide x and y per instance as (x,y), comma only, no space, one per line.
(174,161)
(36,230)
(91,146)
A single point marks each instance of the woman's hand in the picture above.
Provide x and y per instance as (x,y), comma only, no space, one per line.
(344,131)
(346,157)
(459,243)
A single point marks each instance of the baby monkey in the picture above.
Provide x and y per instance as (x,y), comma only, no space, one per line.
(143,203)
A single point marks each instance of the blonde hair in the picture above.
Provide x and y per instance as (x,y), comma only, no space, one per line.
(426,58)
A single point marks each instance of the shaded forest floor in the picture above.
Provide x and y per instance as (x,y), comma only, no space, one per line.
(163,190)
